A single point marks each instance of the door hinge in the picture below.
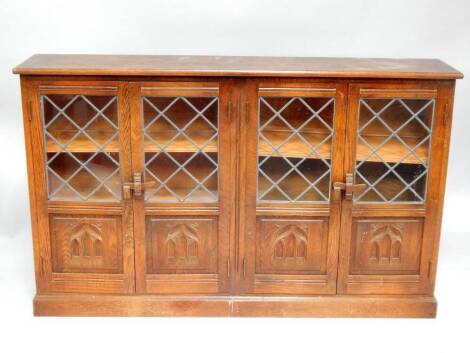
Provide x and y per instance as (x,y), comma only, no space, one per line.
(245,113)
(229,112)
(30,111)
(228,268)
(429,269)
(446,113)
(42,266)
(244,268)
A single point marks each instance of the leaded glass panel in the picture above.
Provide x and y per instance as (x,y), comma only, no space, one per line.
(181,148)
(393,149)
(294,149)
(81,140)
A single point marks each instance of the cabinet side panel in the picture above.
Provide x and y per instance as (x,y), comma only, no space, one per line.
(27,94)
(438,173)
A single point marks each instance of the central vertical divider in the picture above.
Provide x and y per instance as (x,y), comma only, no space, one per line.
(137,165)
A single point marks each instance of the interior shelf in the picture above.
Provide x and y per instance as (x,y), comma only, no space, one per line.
(180,144)
(80,144)
(393,151)
(295,148)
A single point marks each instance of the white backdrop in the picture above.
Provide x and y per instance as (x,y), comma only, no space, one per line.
(366,28)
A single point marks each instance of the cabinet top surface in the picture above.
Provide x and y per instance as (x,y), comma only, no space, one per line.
(247,66)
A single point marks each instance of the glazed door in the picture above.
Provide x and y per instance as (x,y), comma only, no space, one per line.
(79,140)
(391,195)
(182,186)
(292,138)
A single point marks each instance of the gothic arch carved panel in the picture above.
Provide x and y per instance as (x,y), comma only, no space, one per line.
(181,245)
(386,246)
(291,245)
(86,241)
(86,244)
(182,242)
(386,242)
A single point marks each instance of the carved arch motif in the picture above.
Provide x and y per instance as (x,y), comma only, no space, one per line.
(386,243)
(290,244)
(182,242)
(86,241)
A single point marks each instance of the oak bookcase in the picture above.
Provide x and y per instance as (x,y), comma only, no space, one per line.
(236,186)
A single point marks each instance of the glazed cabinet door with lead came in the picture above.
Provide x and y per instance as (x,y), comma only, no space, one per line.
(181,191)
(390,210)
(79,140)
(289,218)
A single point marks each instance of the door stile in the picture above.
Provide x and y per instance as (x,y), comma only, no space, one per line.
(231,91)
(230,206)
(339,148)
(137,153)
(346,205)
(227,191)
(247,173)
(125,150)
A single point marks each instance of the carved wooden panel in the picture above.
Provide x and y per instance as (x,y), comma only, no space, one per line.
(386,246)
(86,244)
(291,245)
(181,245)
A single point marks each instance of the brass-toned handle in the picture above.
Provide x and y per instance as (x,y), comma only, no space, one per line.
(349,187)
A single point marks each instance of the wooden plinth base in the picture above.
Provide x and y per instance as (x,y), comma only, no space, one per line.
(155,305)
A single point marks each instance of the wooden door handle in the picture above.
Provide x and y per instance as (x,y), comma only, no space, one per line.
(137,186)
(349,187)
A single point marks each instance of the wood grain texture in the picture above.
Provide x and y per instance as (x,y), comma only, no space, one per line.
(385,281)
(390,246)
(394,151)
(239,256)
(252,212)
(27,92)
(145,65)
(86,244)
(208,271)
(89,281)
(181,245)
(317,306)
